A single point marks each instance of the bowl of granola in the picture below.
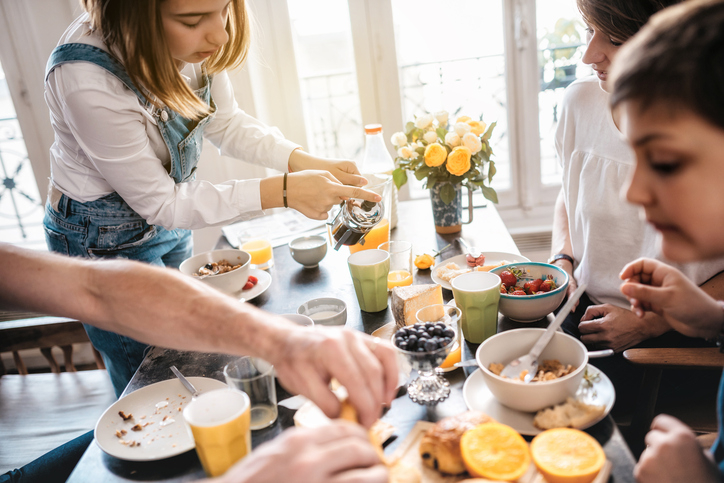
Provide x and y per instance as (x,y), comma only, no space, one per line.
(226,270)
(560,368)
(530,290)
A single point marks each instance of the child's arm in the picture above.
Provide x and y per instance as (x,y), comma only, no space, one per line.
(654,286)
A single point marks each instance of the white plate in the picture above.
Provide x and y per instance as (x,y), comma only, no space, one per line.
(479,398)
(491,258)
(258,289)
(157,442)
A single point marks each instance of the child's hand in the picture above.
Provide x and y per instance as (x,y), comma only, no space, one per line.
(654,286)
(672,454)
(314,193)
(345,171)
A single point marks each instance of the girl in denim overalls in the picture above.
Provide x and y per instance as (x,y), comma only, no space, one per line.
(133,88)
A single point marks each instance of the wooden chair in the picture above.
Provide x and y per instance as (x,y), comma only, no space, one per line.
(654,361)
(39,412)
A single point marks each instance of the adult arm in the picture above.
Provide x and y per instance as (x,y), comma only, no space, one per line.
(163,307)
(561,241)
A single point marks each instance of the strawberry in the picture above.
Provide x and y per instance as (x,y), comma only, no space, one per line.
(547,286)
(509,280)
(519,292)
(503,289)
(248,285)
(533,286)
(253,279)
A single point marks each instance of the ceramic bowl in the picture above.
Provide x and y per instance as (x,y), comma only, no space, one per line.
(531,308)
(325,311)
(300,319)
(308,250)
(231,282)
(533,396)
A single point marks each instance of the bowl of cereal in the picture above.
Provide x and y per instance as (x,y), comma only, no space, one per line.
(560,368)
(225,270)
(530,290)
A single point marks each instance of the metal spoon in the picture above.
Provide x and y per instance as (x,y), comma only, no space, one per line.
(529,362)
(194,392)
(470,250)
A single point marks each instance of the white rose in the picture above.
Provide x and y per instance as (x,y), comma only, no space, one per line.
(399,139)
(430,137)
(452,139)
(441,117)
(406,152)
(423,121)
(462,128)
(472,142)
(415,145)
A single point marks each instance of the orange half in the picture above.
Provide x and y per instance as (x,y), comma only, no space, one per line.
(495,451)
(566,455)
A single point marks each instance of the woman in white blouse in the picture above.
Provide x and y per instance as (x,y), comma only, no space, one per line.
(133,88)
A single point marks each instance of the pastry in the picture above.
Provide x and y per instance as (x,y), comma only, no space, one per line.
(440,446)
(571,414)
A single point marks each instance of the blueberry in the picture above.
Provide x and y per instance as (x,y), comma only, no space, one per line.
(449,333)
(437,331)
(428,325)
(412,339)
(430,345)
(402,345)
(420,349)
(446,341)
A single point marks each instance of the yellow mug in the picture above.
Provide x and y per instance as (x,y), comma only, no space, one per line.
(219,422)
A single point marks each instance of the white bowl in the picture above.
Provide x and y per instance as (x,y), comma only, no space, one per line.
(533,396)
(531,308)
(299,319)
(325,311)
(231,282)
(308,250)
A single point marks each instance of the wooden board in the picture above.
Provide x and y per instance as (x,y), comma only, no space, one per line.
(408,454)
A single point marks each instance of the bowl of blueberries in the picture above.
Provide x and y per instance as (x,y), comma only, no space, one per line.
(425,345)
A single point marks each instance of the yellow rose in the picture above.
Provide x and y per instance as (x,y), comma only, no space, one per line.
(462,119)
(435,155)
(458,161)
(478,127)
(424,261)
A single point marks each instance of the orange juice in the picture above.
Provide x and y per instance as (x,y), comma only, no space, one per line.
(453,357)
(379,234)
(260,251)
(398,278)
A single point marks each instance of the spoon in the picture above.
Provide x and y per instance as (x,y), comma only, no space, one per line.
(591,355)
(470,250)
(194,392)
(529,362)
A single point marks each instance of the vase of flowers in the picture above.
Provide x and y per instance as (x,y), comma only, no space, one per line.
(448,157)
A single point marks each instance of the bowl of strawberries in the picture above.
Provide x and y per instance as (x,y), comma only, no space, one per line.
(530,290)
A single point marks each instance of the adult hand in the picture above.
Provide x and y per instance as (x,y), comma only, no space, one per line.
(673,455)
(339,453)
(313,193)
(651,285)
(343,170)
(307,360)
(612,327)
(567,266)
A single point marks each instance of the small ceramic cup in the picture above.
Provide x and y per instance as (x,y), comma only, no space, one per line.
(308,250)
(325,311)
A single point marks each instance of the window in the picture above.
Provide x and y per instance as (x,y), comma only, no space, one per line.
(360,61)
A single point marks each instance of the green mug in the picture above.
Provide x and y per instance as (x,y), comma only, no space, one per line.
(477,295)
(369,269)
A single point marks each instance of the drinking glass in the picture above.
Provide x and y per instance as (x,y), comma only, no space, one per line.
(255,377)
(429,388)
(400,263)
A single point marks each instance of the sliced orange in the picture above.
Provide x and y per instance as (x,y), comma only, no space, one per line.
(495,451)
(452,358)
(566,455)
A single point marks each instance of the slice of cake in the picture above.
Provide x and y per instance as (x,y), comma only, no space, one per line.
(406,301)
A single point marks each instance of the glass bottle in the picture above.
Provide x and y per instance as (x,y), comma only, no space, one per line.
(377,164)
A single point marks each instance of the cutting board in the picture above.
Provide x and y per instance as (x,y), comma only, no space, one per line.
(408,454)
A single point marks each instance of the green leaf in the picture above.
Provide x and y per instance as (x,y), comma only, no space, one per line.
(447,193)
(441,132)
(490,193)
(491,171)
(408,128)
(420,151)
(399,176)
(489,133)
(422,173)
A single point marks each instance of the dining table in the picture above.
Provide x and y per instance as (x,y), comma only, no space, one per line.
(292,285)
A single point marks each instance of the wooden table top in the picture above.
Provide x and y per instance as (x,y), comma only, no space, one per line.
(293,285)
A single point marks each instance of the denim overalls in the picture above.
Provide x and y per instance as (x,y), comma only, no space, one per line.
(108,227)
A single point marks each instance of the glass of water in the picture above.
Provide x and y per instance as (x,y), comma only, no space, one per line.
(255,377)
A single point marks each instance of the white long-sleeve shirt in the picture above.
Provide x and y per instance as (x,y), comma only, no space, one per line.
(106,141)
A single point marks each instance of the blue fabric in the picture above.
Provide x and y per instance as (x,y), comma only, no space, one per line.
(108,227)
(718,448)
(54,466)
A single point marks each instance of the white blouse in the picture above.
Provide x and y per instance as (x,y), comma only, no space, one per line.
(106,141)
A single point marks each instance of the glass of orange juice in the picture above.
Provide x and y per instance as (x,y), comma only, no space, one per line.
(400,263)
(260,249)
